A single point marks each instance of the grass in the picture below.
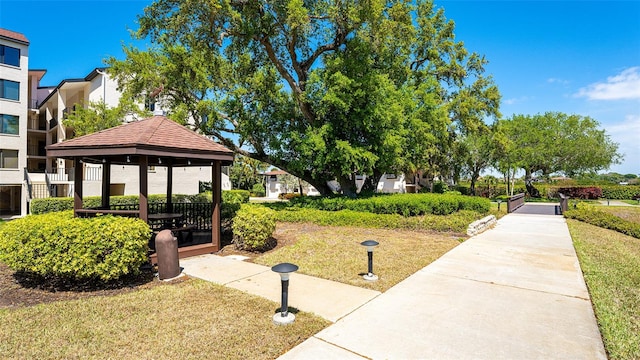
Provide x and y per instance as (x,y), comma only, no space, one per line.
(191,319)
(335,253)
(610,262)
(625,212)
(631,202)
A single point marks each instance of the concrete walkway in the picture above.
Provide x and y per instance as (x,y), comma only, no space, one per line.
(328,299)
(513,292)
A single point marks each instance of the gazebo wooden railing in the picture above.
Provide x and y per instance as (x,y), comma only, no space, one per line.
(196,214)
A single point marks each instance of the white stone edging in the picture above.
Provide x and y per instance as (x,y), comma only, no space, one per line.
(481,225)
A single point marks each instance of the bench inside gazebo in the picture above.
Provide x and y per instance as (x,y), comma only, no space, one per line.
(155,141)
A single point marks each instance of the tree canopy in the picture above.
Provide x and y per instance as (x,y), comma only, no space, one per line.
(322,89)
(555,142)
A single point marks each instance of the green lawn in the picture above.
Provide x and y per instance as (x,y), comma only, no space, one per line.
(335,253)
(610,262)
(189,320)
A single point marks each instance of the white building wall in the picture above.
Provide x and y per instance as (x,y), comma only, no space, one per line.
(390,183)
(20,74)
(186,180)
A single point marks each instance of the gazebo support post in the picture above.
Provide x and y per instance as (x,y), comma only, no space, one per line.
(216,190)
(143,164)
(77,185)
(169,187)
(106,184)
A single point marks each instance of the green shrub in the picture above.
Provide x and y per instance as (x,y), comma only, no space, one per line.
(620,192)
(59,245)
(440,187)
(401,204)
(235,196)
(289,196)
(258,190)
(253,226)
(589,214)
(457,222)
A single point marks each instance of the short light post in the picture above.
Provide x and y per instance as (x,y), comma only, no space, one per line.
(499,202)
(284,317)
(370,244)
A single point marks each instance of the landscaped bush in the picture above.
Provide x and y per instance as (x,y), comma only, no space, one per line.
(620,192)
(401,204)
(587,193)
(258,190)
(47,205)
(457,222)
(235,196)
(54,204)
(589,214)
(253,226)
(288,196)
(59,245)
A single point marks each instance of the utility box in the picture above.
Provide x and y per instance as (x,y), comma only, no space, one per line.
(167,255)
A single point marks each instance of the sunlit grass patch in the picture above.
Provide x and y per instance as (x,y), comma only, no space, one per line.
(335,253)
(193,319)
(610,262)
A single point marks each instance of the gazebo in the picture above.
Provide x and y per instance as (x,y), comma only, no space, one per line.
(155,141)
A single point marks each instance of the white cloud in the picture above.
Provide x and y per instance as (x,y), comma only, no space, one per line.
(558,81)
(626,134)
(516,100)
(625,85)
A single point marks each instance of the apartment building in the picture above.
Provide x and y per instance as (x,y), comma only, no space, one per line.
(34,117)
(14,110)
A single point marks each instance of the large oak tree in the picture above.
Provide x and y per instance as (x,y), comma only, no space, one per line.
(324,89)
(555,142)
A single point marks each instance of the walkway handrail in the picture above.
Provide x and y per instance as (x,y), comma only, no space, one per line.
(564,203)
(514,202)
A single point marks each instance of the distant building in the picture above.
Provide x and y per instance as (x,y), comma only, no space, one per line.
(14,111)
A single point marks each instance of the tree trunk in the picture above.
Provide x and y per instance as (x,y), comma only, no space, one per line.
(528,183)
(348,186)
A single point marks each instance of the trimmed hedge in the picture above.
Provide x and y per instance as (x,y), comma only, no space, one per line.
(253,226)
(258,190)
(235,196)
(401,204)
(582,192)
(59,245)
(590,215)
(55,204)
(621,192)
(456,223)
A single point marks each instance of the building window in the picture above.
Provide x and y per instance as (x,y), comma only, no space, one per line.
(9,89)
(10,199)
(8,159)
(9,124)
(9,55)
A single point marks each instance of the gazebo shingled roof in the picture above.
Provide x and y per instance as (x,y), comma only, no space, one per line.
(156,137)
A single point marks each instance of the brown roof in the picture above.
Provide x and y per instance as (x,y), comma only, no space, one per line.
(13,35)
(276,172)
(156,136)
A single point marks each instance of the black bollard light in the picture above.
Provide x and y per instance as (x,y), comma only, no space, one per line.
(370,244)
(284,317)
(499,202)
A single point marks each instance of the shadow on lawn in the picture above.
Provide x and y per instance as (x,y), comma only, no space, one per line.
(56,284)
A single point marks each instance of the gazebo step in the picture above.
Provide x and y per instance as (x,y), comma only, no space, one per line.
(189,251)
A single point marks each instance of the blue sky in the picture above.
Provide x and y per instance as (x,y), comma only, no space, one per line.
(577,57)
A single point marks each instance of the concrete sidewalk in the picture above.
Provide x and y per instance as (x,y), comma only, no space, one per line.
(513,292)
(328,299)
